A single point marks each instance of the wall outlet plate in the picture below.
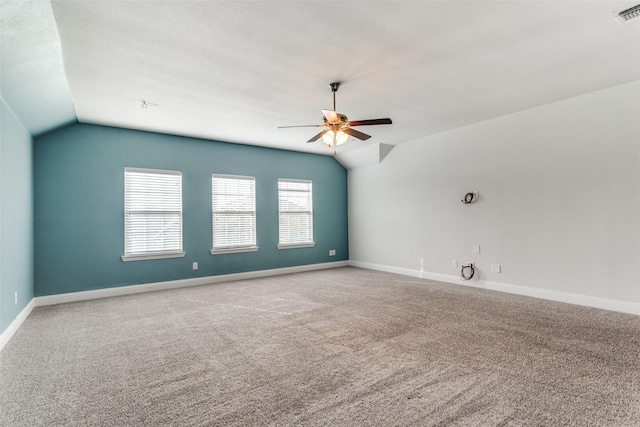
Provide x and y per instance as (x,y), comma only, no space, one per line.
(195,265)
(496,268)
(454,263)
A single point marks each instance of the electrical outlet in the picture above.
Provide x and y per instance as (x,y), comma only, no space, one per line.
(332,252)
(454,263)
(496,268)
(15,298)
(476,249)
(195,265)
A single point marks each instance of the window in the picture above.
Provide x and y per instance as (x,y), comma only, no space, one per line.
(152,214)
(233,202)
(296,213)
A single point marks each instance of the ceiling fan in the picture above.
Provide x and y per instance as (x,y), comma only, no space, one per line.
(337,127)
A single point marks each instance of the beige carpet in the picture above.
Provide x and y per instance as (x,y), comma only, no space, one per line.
(347,347)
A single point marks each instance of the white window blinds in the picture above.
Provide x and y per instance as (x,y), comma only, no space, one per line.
(153,213)
(295,212)
(233,200)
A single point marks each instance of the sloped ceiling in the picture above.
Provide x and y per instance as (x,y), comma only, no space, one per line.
(32,78)
(235,71)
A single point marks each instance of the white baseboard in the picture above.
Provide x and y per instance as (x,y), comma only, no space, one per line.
(174,284)
(17,322)
(566,297)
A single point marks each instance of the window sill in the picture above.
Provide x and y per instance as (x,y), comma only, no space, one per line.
(156,255)
(297,245)
(234,250)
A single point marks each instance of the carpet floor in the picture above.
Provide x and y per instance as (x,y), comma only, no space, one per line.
(339,347)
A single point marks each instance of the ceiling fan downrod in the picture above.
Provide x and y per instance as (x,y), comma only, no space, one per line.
(334,88)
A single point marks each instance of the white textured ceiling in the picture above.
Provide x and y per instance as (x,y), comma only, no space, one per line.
(234,71)
(32,79)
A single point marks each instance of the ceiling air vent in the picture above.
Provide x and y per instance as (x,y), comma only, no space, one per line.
(629,14)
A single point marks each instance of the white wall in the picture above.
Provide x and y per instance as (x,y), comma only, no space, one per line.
(559,203)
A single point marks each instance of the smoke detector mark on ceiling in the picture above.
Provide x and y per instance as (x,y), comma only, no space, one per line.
(146,104)
(628,14)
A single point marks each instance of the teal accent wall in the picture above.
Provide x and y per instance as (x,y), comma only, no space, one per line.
(79,206)
(16,217)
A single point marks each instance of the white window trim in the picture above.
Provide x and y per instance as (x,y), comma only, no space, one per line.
(158,171)
(298,244)
(234,249)
(154,255)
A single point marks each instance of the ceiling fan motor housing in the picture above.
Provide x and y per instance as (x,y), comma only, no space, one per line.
(341,117)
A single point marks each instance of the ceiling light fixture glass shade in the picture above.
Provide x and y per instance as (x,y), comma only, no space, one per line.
(332,138)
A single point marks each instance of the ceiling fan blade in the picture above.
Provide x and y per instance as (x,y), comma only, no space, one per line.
(332,116)
(356,134)
(300,126)
(318,136)
(386,121)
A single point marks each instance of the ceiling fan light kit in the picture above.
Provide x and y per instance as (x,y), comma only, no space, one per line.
(337,127)
(332,138)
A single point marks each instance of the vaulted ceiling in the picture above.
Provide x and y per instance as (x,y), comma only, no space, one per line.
(235,71)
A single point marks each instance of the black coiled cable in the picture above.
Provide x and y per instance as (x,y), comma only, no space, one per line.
(468,276)
(468,198)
